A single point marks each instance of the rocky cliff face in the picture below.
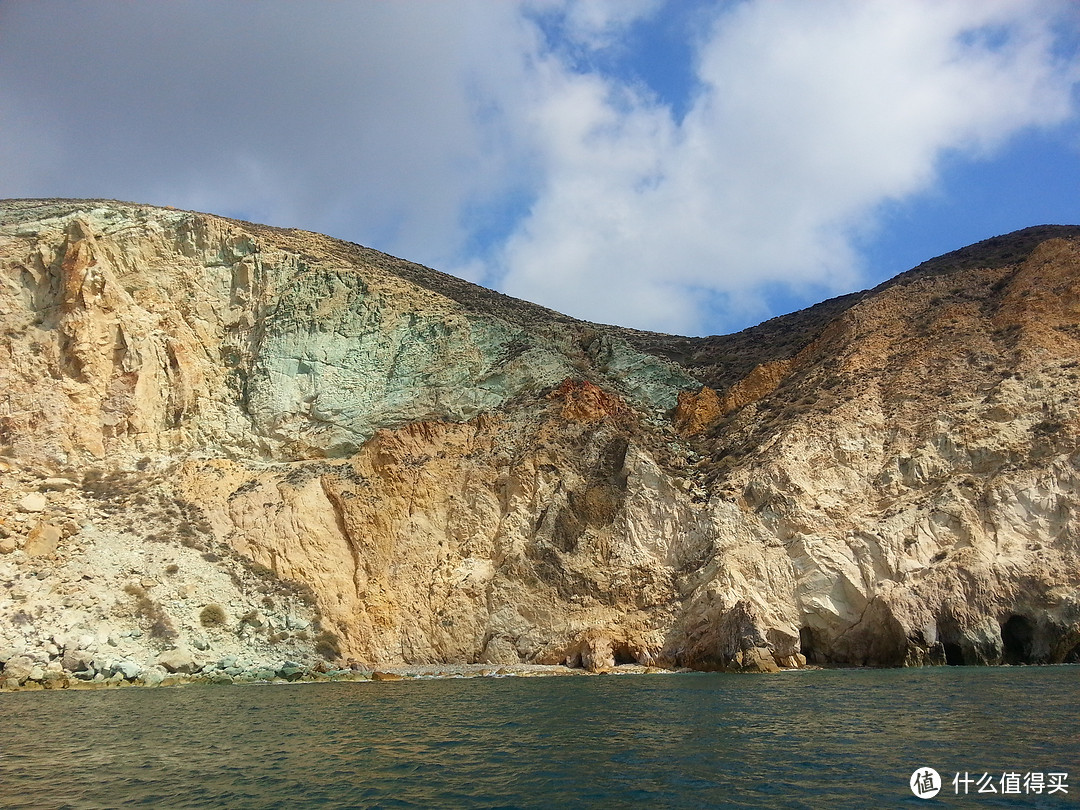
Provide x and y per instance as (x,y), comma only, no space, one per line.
(345,450)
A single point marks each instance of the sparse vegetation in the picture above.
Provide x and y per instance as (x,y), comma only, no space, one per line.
(1047,427)
(213,615)
(327,645)
(160,625)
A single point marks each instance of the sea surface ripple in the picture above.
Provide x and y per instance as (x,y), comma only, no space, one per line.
(837,738)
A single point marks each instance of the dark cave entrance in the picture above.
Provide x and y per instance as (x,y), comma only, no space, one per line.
(1072,656)
(1017,635)
(954,654)
(811,647)
(623,654)
(948,632)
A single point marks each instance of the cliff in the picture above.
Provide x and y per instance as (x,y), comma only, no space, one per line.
(330,448)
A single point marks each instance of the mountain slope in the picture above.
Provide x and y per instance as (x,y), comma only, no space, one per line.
(347,449)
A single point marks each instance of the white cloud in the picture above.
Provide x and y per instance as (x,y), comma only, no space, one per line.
(431,129)
(596,23)
(812,115)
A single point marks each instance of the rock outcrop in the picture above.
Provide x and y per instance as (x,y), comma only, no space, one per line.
(353,456)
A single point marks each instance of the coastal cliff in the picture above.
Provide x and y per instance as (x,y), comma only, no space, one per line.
(224,440)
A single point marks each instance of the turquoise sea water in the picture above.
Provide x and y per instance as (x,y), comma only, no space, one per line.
(816,739)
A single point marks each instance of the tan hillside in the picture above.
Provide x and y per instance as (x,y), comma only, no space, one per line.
(351,454)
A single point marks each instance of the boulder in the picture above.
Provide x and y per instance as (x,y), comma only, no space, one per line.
(499,650)
(756,659)
(7,545)
(378,675)
(75,660)
(33,502)
(178,660)
(106,667)
(129,669)
(597,654)
(43,540)
(291,672)
(152,677)
(19,668)
(55,680)
(56,485)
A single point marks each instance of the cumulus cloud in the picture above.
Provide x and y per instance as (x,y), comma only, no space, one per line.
(475,137)
(810,115)
(595,24)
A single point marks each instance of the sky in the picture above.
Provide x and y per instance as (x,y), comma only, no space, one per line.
(683,166)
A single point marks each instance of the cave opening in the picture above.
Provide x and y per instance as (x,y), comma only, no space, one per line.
(1017,635)
(1072,656)
(808,646)
(954,654)
(623,654)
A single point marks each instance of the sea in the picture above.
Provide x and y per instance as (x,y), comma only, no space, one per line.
(858,738)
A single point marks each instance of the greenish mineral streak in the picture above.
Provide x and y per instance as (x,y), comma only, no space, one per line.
(324,343)
(342,358)
(645,379)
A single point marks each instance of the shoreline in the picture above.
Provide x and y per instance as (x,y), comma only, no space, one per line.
(289,673)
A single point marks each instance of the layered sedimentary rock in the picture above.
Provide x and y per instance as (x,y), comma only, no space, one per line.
(411,469)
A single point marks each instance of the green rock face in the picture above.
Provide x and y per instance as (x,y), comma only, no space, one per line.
(340,360)
(184,329)
(341,357)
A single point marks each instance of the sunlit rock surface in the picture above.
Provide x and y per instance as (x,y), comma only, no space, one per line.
(361,458)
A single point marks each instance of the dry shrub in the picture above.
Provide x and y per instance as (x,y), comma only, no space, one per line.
(213,615)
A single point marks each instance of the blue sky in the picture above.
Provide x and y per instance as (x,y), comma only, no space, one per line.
(691,167)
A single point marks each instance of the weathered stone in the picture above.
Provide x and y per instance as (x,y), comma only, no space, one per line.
(757,659)
(43,540)
(76,659)
(129,670)
(697,411)
(292,672)
(19,667)
(7,545)
(379,675)
(55,680)
(56,485)
(178,661)
(33,502)
(152,677)
(597,654)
